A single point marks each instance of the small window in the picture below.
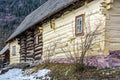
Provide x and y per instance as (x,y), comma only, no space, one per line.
(52,24)
(13,50)
(79,25)
(36,39)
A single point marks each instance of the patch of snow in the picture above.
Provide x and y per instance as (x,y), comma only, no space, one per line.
(16,74)
(43,72)
(13,74)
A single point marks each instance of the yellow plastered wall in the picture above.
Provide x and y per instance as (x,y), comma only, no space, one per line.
(14,58)
(63,37)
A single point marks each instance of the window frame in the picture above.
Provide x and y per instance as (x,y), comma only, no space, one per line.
(83,23)
(14,52)
(37,39)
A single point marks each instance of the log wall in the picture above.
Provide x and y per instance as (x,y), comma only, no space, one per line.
(63,37)
(29,50)
(38,44)
(113,27)
(22,42)
(14,58)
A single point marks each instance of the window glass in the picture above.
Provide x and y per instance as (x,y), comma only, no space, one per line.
(79,24)
(13,50)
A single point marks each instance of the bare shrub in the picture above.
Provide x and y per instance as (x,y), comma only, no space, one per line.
(77,49)
(50,51)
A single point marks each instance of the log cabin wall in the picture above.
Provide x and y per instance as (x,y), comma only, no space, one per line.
(22,42)
(5,58)
(14,58)
(113,27)
(38,45)
(30,45)
(54,40)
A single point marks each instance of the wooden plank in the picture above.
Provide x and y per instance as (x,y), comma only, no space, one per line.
(39,44)
(38,52)
(37,58)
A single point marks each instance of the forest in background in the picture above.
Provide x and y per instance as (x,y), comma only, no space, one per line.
(12,13)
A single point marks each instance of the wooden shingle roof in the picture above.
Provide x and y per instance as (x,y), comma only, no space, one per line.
(44,11)
(4,50)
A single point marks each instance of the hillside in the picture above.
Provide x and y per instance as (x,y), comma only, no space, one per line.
(12,12)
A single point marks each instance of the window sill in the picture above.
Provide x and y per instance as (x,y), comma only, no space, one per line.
(13,54)
(79,34)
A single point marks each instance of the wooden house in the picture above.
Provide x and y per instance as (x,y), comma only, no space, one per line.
(55,28)
(4,57)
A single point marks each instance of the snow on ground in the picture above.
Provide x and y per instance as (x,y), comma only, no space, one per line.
(16,74)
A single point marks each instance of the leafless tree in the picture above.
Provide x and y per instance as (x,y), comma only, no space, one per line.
(80,49)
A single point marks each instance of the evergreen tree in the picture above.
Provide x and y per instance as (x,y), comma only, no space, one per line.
(12,13)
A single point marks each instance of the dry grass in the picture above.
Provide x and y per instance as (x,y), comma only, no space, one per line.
(71,72)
